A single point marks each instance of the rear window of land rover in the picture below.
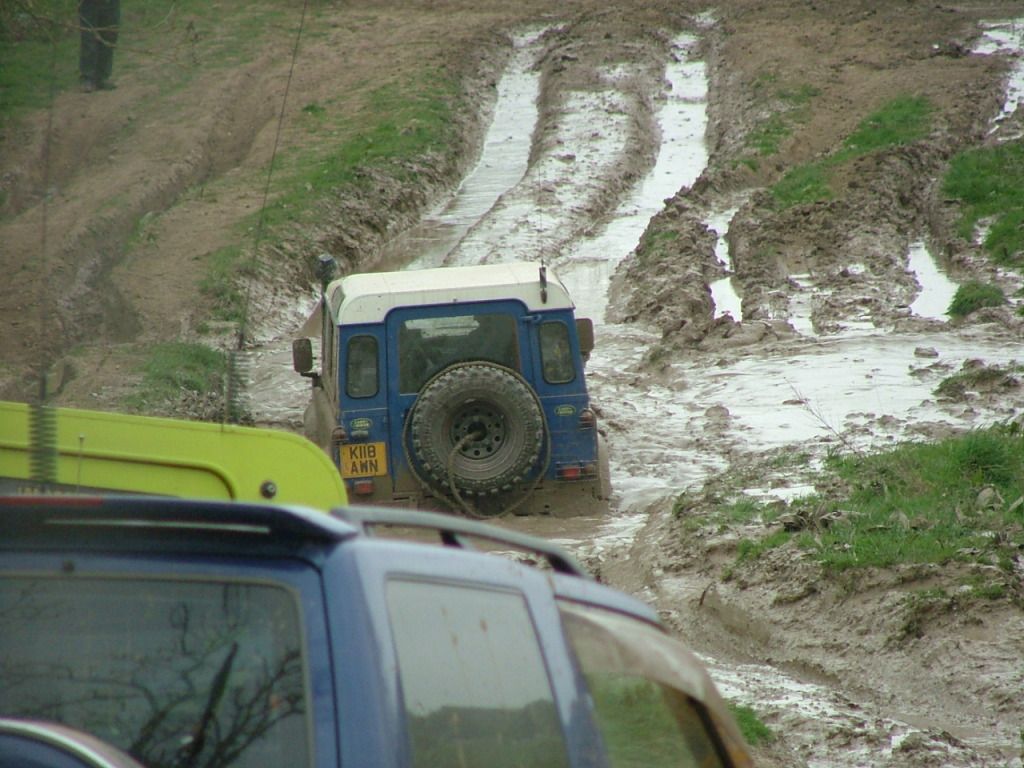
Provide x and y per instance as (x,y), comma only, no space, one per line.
(175,672)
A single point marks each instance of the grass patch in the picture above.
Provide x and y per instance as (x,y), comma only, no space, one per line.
(657,244)
(989,182)
(799,96)
(929,503)
(982,378)
(901,121)
(767,136)
(175,367)
(226,271)
(802,184)
(38,54)
(398,122)
(752,549)
(160,41)
(743,510)
(751,726)
(973,295)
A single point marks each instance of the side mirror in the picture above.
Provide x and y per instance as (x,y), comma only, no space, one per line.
(302,356)
(585,332)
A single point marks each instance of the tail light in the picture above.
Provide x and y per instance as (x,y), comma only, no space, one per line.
(363,487)
(570,472)
(588,419)
(574,470)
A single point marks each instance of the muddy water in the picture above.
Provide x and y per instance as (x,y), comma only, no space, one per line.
(503,162)
(723,292)
(937,290)
(1006,37)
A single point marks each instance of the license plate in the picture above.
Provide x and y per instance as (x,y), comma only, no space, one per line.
(364,460)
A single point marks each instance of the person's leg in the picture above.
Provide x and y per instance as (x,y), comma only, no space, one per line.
(89,44)
(109,21)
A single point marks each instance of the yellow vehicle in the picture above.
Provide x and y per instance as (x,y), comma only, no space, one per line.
(89,451)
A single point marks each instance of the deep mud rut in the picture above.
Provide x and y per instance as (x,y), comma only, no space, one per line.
(756,336)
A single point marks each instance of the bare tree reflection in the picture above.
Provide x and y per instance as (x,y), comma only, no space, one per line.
(201,687)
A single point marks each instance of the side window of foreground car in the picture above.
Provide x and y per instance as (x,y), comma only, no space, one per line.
(647,694)
(477,693)
(174,672)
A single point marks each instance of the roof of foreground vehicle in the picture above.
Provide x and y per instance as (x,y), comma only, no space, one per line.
(175,524)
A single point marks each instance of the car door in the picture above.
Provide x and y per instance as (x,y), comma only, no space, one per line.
(478,674)
(424,340)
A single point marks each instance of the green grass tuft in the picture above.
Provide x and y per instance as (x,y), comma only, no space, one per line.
(989,181)
(902,121)
(751,726)
(973,295)
(751,549)
(801,185)
(768,135)
(178,366)
(401,121)
(929,503)
(226,272)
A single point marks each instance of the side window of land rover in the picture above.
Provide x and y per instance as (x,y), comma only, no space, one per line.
(475,687)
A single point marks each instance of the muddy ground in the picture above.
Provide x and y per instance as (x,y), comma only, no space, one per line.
(126,221)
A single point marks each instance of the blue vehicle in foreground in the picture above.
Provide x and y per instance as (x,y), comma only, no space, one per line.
(457,388)
(208,634)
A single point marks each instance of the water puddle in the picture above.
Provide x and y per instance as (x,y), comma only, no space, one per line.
(801,305)
(723,292)
(1006,38)
(871,389)
(588,264)
(937,290)
(502,164)
(536,219)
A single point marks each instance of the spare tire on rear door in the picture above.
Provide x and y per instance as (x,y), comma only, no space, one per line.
(477,426)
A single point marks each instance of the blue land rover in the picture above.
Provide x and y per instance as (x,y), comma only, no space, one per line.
(457,387)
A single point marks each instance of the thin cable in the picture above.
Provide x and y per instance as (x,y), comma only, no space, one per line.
(237,373)
(270,172)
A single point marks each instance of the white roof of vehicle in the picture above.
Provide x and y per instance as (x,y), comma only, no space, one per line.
(368,297)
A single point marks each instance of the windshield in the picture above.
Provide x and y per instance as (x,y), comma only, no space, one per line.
(180,674)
